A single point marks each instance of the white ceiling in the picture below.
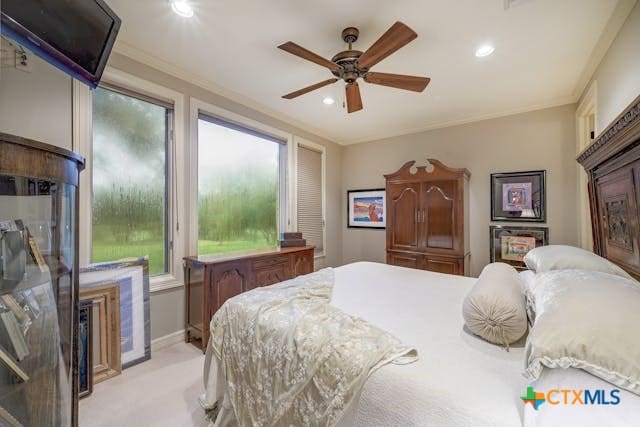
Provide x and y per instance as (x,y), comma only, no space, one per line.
(543,51)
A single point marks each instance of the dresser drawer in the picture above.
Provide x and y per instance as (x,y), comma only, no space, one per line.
(270,275)
(270,262)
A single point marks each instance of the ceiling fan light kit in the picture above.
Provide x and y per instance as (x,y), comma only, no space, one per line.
(351,65)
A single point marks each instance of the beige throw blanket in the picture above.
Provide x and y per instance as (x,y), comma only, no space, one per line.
(290,358)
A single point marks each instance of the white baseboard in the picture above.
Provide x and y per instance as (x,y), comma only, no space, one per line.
(167,340)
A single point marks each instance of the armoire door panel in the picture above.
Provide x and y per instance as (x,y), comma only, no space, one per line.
(405,205)
(438,217)
(619,216)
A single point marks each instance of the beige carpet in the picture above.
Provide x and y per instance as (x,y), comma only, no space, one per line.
(160,392)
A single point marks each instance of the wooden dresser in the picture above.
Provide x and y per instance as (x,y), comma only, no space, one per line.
(210,280)
(427,218)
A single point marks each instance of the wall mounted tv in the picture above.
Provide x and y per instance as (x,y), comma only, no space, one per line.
(74,35)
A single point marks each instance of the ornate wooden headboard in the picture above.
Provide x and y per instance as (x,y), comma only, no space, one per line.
(612,163)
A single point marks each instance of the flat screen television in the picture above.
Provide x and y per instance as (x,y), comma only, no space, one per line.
(74,35)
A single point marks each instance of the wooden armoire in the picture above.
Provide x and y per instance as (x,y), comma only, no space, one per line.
(427,218)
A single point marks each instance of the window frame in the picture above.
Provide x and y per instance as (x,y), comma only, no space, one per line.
(83,142)
(196,109)
(299,141)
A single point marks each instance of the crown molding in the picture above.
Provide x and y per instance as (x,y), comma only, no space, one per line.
(445,124)
(612,28)
(131,52)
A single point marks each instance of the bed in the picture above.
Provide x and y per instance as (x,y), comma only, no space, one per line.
(459,379)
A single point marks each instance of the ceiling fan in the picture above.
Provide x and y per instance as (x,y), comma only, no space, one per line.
(350,65)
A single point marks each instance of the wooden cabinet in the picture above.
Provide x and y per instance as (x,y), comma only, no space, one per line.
(210,280)
(426,214)
(612,164)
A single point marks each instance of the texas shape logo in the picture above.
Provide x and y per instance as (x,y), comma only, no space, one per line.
(534,398)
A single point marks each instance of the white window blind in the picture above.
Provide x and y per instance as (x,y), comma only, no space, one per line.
(310,209)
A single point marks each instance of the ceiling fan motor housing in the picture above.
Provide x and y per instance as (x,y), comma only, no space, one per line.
(348,60)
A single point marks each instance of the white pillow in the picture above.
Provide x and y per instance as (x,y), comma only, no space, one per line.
(587,320)
(494,308)
(561,257)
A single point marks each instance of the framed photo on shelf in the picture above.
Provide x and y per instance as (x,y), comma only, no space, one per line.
(367,208)
(518,196)
(510,244)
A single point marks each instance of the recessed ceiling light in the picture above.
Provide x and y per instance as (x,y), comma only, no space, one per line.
(182,8)
(327,100)
(484,50)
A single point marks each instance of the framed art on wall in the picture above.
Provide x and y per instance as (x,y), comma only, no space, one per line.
(518,196)
(510,244)
(367,208)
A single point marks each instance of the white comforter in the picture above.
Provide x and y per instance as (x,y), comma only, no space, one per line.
(459,379)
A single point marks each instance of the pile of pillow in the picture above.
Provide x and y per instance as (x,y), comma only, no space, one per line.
(584,311)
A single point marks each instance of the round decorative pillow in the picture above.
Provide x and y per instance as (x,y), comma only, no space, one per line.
(494,308)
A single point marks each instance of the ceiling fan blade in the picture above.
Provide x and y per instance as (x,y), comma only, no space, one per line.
(413,83)
(303,53)
(396,37)
(354,101)
(309,89)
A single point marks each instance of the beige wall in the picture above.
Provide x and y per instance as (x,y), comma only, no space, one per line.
(36,104)
(618,75)
(543,139)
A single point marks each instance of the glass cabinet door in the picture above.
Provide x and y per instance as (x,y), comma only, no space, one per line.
(37,247)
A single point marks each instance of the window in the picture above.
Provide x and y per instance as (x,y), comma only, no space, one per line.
(130,177)
(240,187)
(310,191)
